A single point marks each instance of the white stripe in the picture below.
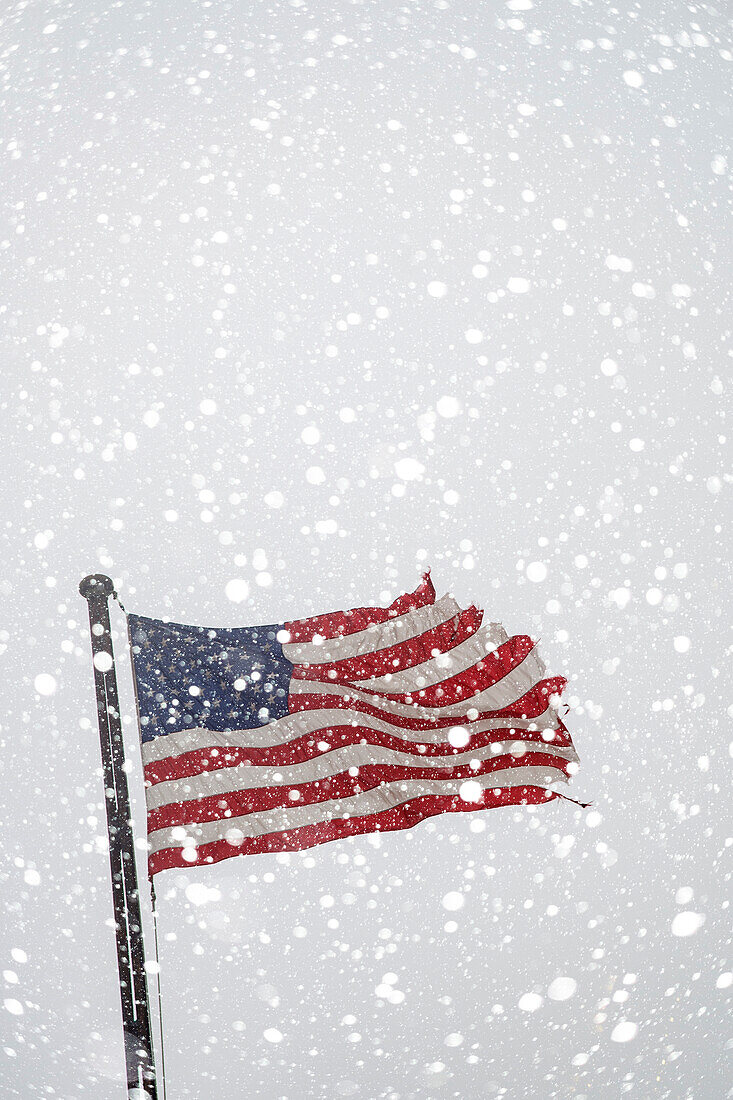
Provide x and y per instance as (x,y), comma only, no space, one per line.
(511,687)
(378,799)
(242,777)
(450,663)
(287,729)
(374,637)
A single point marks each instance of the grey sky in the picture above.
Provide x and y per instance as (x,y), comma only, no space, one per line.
(308,297)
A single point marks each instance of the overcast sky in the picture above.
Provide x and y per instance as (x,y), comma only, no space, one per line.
(308,297)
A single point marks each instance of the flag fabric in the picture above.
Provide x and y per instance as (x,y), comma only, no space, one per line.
(280,737)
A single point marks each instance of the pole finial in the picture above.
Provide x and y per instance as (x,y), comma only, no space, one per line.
(96,585)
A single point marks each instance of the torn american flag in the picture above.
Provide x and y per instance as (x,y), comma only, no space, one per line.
(272,738)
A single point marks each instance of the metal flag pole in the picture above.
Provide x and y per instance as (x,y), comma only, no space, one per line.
(139,1052)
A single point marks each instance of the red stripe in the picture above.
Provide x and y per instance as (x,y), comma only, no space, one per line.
(401,817)
(407,654)
(306,748)
(338,623)
(342,785)
(456,689)
(530,705)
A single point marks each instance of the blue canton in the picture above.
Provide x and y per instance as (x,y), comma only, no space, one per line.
(196,676)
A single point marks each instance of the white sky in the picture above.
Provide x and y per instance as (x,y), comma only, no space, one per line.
(307,297)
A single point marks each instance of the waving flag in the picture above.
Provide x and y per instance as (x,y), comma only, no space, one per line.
(272,738)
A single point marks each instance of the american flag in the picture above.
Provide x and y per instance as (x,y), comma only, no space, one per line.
(280,737)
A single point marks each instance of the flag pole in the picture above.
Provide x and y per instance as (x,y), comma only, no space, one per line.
(139,1053)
